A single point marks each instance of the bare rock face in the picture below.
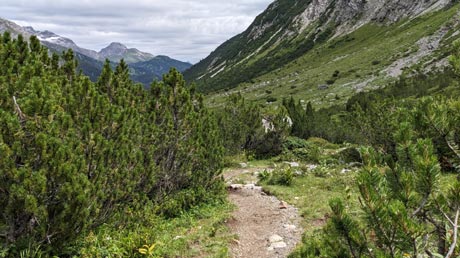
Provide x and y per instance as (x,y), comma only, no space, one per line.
(351,14)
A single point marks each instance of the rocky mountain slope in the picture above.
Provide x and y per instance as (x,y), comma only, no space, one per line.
(293,37)
(145,67)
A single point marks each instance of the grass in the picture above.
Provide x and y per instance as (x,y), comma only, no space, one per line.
(359,57)
(200,232)
(311,195)
(311,191)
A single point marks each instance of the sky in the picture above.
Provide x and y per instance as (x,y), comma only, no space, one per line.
(187,30)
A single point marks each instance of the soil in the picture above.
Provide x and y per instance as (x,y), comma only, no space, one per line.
(258,217)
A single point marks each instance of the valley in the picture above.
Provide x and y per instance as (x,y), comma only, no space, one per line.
(327,128)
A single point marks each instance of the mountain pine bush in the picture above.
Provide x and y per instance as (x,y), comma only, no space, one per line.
(73,152)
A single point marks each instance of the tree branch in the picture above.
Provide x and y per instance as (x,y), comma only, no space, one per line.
(18,110)
(454,241)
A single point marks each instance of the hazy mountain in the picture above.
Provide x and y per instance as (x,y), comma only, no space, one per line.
(144,66)
(296,45)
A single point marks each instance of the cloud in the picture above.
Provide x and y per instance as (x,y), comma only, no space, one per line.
(184,29)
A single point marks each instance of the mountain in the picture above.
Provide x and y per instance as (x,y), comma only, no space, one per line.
(317,49)
(144,67)
(117,51)
(157,66)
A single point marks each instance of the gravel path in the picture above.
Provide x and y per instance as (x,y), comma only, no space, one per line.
(265,226)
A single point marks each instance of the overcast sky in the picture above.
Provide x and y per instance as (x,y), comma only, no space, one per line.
(184,29)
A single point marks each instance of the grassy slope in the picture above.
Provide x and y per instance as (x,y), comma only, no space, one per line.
(352,55)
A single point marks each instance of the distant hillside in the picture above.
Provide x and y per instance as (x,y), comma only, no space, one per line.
(153,69)
(317,49)
(144,67)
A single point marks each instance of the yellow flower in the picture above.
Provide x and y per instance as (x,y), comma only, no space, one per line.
(147,250)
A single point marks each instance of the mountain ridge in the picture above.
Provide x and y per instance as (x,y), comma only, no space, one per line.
(144,67)
(287,30)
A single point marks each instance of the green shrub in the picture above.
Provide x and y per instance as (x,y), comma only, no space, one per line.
(321,171)
(349,155)
(330,81)
(310,154)
(74,152)
(264,175)
(292,143)
(271,99)
(281,176)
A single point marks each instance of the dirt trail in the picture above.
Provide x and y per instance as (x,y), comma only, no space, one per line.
(265,226)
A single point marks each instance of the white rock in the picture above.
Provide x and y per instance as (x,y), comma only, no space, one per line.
(278,245)
(293,164)
(311,167)
(243,165)
(258,188)
(250,186)
(296,198)
(344,171)
(290,227)
(275,238)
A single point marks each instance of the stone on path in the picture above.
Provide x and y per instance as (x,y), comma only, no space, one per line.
(275,238)
(276,242)
(289,227)
(277,245)
(283,205)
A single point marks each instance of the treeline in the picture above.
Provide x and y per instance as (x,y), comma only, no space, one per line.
(73,152)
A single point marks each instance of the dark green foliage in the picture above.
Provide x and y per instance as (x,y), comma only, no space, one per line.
(271,99)
(244,128)
(293,143)
(241,124)
(330,81)
(405,213)
(74,152)
(350,155)
(300,150)
(406,210)
(301,117)
(279,176)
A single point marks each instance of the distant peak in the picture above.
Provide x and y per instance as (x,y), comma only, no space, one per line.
(30,29)
(117,45)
